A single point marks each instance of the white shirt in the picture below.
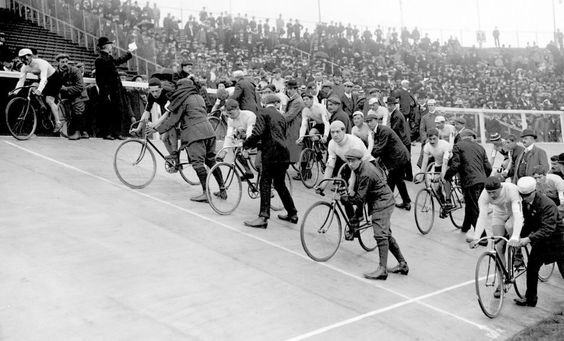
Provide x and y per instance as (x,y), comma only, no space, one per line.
(39,67)
(447,133)
(245,121)
(349,142)
(506,205)
(317,113)
(553,187)
(439,151)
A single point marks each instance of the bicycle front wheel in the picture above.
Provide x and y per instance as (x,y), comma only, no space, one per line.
(457,214)
(223,199)
(489,284)
(275,202)
(21,118)
(135,164)
(309,168)
(366,237)
(320,232)
(546,271)
(520,272)
(424,211)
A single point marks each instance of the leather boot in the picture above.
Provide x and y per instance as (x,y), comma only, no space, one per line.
(260,223)
(200,198)
(402,267)
(75,136)
(381,273)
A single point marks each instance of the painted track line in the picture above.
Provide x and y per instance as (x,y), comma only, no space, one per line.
(408,300)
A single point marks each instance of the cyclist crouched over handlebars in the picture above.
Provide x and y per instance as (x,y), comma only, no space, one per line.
(370,188)
(188,108)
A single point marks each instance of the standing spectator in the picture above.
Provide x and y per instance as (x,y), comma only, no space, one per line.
(550,185)
(349,100)
(156,15)
(270,130)
(470,161)
(74,91)
(113,103)
(530,157)
(245,92)
(293,117)
(185,71)
(514,151)
(459,125)
(427,123)
(337,114)
(399,126)
(495,34)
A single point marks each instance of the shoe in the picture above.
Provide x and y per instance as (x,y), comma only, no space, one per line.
(497,292)
(259,223)
(84,135)
(448,206)
(380,274)
(121,137)
(200,198)
(109,137)
(524,302)
(469,235)
(349,234)
(404,206)
(291,218)
(222,194)
(58,127)
(75,136)
(401,269)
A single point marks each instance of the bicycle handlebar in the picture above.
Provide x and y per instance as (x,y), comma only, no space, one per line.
(16,90)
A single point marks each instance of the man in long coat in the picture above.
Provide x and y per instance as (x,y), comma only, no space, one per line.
(293,117)
(245,93)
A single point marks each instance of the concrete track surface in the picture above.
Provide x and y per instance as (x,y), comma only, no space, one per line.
(82,257)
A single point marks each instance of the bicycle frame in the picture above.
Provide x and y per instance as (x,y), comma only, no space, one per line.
(508,271)
(253,186)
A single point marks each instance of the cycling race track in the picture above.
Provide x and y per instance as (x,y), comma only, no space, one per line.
(82,257)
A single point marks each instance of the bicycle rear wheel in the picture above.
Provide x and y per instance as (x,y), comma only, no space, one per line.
(309,168)
(457,214)
(546,271)
(187,172)
(135,164)
(424,211)
(520,273)
(320,232)
(366,237)
(275,202)
(21,118)
(489,279)
(224,199)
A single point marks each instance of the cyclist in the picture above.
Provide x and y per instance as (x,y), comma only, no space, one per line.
(361,130)
(550,184)
(50,82)
(316,114)
(439,150)
(447,131)
(240,124)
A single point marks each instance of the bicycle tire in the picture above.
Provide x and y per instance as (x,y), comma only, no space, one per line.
(132,165)
(187,172)
(220,129)
(520,274)
(275,202)
(366,238)
(487,278)
(231,184)
(310,173)
(457,215)
(424,211)
(321,231)
(21,118)
(546,271)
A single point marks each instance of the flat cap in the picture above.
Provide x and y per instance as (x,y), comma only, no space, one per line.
(334,100)
(271,98)
(327,84)
(354,153)
(468,132)
(528,132)
(460,120)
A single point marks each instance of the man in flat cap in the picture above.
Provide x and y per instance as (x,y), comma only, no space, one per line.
(370,189)
(532,156)
(336,113)
(74,91)
(270,131)
(349,101)
(459,125)
(245,92)
(325,92)
(185,71)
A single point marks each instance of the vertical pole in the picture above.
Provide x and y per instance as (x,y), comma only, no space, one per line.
(523,121)
(482,128)
(562,126)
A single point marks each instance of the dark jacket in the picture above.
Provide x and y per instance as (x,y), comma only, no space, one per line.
(469,159)
(370,187)
(349,105)
(544,227)
(342,116)
(293,116)
(187,107)
(389,148)
(535,157)
(73,86)
(245,94)
(399,126)
(111,90)
(270,131)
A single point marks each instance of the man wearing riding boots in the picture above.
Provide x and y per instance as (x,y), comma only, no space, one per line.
(370,188)
(188,108)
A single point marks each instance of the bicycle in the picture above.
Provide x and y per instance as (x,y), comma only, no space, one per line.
(23,113)
(219,126)
(135,163)
(232,190)
(321,230)
(425,202)
(493,280)
(313,157)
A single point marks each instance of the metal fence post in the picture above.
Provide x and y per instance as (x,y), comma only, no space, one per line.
(562,126)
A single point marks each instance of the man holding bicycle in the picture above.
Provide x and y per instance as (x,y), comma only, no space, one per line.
(439,150)
(370,188)
(316,114)
(49,81)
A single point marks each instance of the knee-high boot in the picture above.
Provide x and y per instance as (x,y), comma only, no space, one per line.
(382,272)
(402,267)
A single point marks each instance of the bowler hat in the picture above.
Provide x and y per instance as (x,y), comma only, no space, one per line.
(561,158)
(292,84)
(103,41)
(392,100)
(528,132)
(460,120)
(495,137)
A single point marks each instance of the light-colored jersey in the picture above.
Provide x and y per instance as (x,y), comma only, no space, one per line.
(507,205)
(553,186)
(440,152)
(245,121)
(39,67)
(447,133)
(317,113)
(349,142)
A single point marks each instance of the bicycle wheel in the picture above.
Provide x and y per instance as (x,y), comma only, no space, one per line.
(64,115)
(546,271)
(224,202)
(187,172)
(220,128)
(457,214)
(309,168)
(275,202)
(21,118)
(320,232)
(135,164)
(488,278)
(366,237)
(424,211)
(520,274)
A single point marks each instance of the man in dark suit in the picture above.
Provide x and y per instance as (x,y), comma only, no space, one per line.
(470,161)
(400,127)
(270,131)
(349,100)
(532,156)
(513,153)
(245,92)
(544,230)
(391,152)
(114,103)
(337,114)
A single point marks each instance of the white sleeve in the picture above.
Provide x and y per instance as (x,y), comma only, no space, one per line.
(23,74)
(42,78)
(331,155)
(228,142)
(483,202)
(325,118)
(303,127)
(517,210)
(250,124)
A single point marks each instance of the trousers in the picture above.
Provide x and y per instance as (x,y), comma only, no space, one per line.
(275,174)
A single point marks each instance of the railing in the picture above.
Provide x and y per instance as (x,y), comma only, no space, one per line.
(29,10)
